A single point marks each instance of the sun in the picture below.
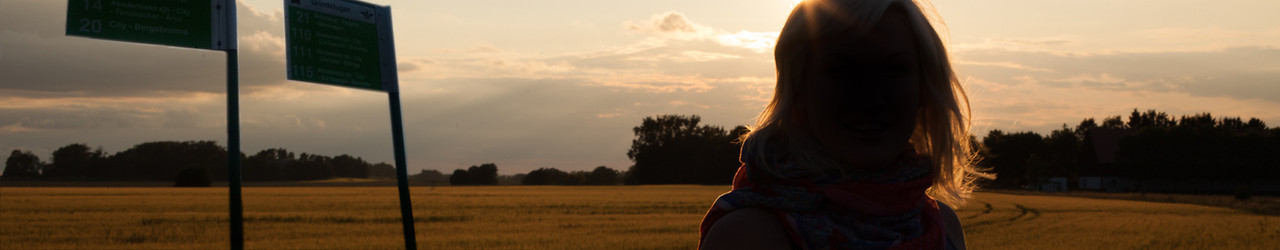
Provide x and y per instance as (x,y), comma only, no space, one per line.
(796,2)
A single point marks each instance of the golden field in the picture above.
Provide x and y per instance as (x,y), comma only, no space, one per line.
(643,217)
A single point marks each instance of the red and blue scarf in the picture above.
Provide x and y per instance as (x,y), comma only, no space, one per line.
(883,210)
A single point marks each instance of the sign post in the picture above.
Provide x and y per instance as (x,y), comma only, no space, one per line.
(349,43)
(339,42)
(200,24)
(233,125)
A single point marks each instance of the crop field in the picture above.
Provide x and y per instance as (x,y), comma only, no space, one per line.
(629,217)
(1004,221)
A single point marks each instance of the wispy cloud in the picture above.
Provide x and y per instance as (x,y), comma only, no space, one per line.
(1238,72)
(668,23)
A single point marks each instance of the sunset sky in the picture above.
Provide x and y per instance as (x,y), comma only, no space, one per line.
(560,83)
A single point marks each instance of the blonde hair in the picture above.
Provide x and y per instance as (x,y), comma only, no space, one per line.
(942,128)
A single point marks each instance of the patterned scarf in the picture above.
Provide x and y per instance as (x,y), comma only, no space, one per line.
(883,210)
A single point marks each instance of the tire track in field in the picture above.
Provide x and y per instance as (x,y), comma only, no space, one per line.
(986,210)
(1025,210)
(1021,215)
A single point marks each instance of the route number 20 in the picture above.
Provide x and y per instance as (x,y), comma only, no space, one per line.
(90,25)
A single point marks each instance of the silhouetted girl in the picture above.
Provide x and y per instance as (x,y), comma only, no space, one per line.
(865,139)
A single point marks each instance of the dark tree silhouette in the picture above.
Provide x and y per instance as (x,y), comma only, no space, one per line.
(1149,119)
(544,176)
(21,164)
(1149,146)
(485,174)
(193,177)
(1086,154)
(460,177)
(1197,121)
(603,176)
(1113,122)
(1010,155)
(163,160)
(383,170)
(674,149)
(1063,153)
(73,160)
(268,164)
(1201,147)
(550,176)
(348,166)
(309,167)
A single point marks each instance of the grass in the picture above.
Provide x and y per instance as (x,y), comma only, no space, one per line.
(996,220)
(1258,204)
(631,217)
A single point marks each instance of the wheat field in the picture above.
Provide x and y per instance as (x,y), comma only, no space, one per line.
(629,217)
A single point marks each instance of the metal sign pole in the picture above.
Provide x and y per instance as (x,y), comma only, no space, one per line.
(402,173)
(391,83)
(233,124)
(233,150)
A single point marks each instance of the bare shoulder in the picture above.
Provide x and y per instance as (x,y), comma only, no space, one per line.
(747,228)
(955,234)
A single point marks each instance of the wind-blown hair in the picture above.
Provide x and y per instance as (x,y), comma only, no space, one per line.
(942,127)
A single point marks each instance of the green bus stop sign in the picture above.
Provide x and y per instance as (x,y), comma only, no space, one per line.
(339,42)
(183,23)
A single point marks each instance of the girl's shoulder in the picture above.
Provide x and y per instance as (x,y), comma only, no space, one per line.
(748,228)
(955,234)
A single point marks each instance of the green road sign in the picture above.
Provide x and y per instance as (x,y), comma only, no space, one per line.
(339,42)
(183,23)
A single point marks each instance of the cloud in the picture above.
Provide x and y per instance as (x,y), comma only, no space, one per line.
(1237,72)
(1207,38)
(1046,42)
(1020,44)
(477,49)
(1128,40)
(51,113)
(1009,65)
(650,65)
(760,42)
(671,22)
(406,67)
(674,25)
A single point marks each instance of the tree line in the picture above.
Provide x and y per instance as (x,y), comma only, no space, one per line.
(167,160)
(487,174)
(199,163)
(1149,145)
(678,149)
